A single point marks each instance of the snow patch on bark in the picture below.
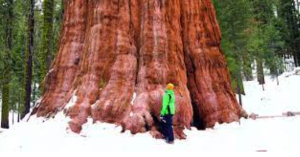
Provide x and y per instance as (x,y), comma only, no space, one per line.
(133,98)
(38,102)
(50,71)
(72,101)
(93,106)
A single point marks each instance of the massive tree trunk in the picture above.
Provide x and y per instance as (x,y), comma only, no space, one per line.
(116,56)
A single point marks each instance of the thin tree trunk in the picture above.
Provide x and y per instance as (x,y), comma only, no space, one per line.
(29,53)
(5,106)
(260,72)
(13,114)
(277,80)
(247,68)
(33,93)
(7,66)
(240,96)
(298,48)
(296,59)
(18,108)
(240,87)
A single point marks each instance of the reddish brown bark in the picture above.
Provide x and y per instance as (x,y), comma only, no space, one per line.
(60,78)
(114,50)
(209,82)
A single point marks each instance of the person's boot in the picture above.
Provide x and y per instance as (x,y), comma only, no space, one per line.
(170,142)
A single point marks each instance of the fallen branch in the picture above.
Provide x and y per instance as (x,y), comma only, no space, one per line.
(285,114)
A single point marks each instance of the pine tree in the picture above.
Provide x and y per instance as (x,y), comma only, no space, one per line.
(250,34)
(37,57)
(290,27)
(265,42)
(17,97)
(29,53)
(47,45)
(57,23)
(234,18)
(6,73)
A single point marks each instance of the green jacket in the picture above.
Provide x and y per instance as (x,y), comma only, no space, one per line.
(168,103)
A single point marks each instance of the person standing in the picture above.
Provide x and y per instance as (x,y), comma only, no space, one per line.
(167,113)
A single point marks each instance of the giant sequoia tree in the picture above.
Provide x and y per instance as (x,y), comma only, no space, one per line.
(116,56)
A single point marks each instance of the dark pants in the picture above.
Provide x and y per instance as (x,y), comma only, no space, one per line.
(167,127)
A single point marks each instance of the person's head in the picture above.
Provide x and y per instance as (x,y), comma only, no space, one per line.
(170,86)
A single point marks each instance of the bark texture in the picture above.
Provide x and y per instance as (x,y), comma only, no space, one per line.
(6,73)
(116,57)
(29,54)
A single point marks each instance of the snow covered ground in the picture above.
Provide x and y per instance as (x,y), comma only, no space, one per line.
(261,135)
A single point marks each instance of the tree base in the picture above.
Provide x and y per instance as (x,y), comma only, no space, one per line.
(116,57)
